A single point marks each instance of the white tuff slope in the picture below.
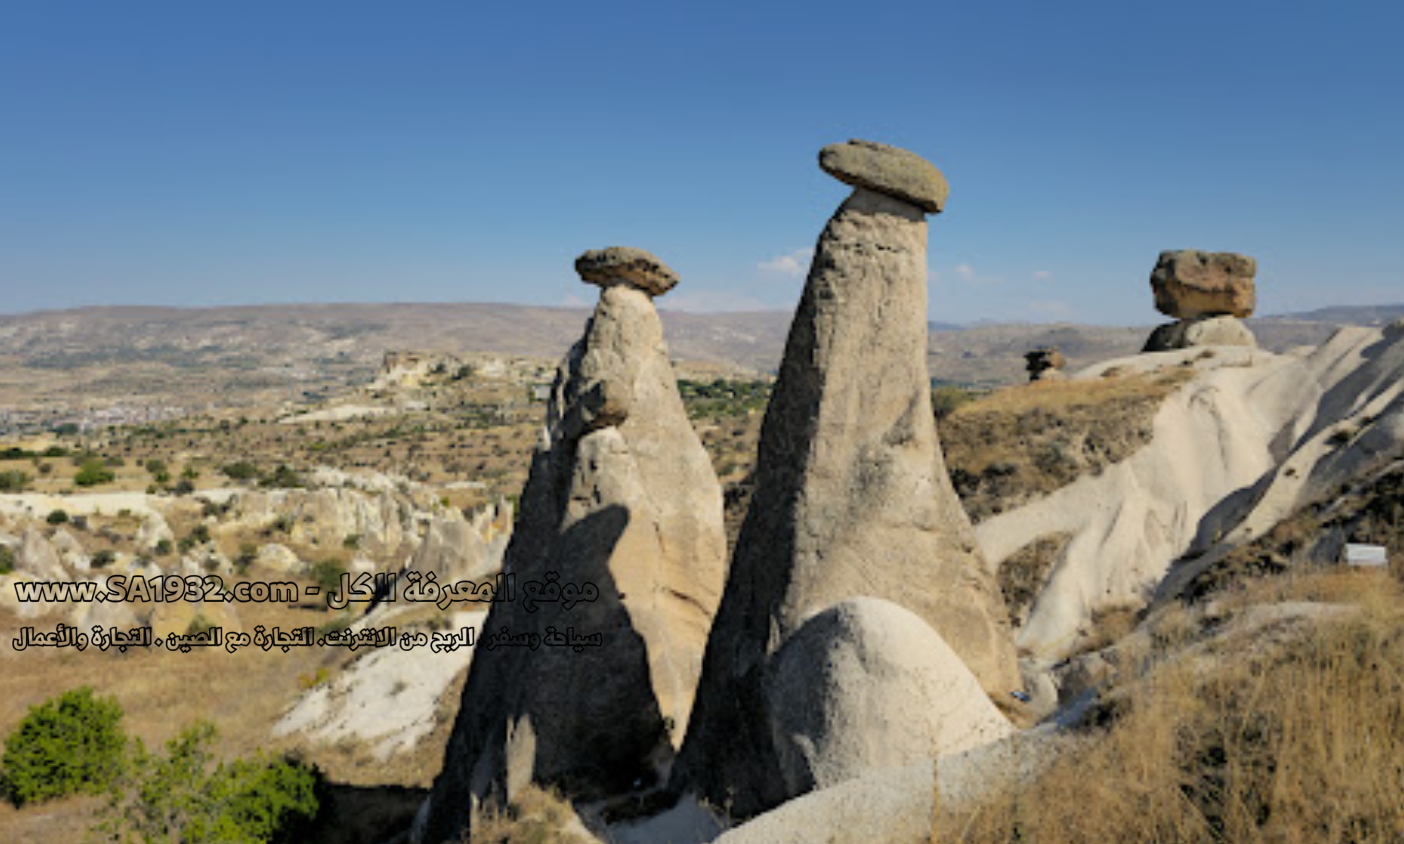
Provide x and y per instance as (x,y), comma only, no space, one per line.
(1218,456)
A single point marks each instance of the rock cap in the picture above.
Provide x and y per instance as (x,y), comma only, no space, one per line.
(628,266)
(1188,283)
(888,170)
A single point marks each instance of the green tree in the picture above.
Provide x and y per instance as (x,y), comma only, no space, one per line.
(66,745)
(186,797)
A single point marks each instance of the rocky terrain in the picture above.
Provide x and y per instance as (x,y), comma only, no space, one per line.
(1108,603)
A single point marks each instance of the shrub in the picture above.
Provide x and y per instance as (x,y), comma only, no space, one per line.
(67,745)
(187,797)
(946,398)
(104,558)
(13,480)
(327,573)
(92,473)
(248,552)
(284,477)
(57,517)
(241,471)
(163,547)
(7,559)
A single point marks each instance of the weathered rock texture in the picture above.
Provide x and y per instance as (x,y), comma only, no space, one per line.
(888,170)
(866,684)
(626,265)
(1188,283)
(852,498)
(622,495)
(1200,331)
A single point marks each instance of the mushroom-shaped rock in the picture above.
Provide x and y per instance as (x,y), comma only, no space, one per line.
(621,497)
(1188,283)
(628,266)
(888,170)
(852,498)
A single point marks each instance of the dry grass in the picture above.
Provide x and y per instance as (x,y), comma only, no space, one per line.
(1023,574)
(537,816)
(1301,742)
(1023,442)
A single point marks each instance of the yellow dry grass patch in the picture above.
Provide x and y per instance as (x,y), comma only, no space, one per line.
(1022,442)
(1301,742)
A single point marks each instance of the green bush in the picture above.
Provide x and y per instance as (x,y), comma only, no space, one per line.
(57,517)
(13,480)
(188,797)
(947,397)
(284,477)
(328,574)
(7,559)
(241,471)
(66,745)
(92,473)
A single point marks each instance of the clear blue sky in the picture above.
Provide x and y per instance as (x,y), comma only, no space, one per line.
(199,153)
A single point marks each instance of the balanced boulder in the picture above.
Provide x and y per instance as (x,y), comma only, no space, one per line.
(622,496)
(852,496)
(628,266)
(1207,293)
(888,170)
(1188,283)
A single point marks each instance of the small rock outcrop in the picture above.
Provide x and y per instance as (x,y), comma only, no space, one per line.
(1045,364)
(852,495)
(866,684)
(1200,331)
(454,550)
(1208,293)
(37,556)
(622,495)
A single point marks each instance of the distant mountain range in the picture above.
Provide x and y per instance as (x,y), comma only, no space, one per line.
(229,354)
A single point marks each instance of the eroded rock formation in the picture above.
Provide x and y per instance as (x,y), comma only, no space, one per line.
(1207,293)
(852,496)
(622,495)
